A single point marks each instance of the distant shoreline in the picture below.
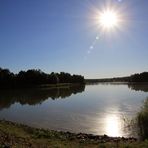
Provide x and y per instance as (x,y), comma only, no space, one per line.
(49,86)
(138,77)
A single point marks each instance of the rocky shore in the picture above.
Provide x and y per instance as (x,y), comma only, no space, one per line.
(14,134)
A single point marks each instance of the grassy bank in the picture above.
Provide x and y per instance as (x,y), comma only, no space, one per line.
(17,135)
(142,121)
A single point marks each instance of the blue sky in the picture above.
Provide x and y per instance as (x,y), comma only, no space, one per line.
(56,35)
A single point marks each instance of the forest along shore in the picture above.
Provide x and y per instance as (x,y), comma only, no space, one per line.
(14,134)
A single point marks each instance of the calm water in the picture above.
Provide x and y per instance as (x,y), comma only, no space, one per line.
(97,109)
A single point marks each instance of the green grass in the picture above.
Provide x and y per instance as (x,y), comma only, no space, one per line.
(142,121)
(16,135)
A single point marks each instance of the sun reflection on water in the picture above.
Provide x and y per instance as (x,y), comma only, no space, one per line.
(113,125)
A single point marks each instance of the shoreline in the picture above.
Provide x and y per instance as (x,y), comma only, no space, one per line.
(14,134)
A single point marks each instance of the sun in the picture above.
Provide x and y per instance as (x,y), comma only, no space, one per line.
(108,19)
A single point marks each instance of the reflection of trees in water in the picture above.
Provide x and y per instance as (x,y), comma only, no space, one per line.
(138,86)
(37,95)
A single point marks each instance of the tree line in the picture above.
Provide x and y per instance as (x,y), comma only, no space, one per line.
(34,77)
(138,77)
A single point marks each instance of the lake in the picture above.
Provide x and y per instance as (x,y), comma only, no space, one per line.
(104,108)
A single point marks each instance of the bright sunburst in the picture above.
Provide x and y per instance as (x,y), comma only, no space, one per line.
(108,19)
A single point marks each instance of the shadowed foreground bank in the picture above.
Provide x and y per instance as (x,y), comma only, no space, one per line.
(142,121)
(17,135)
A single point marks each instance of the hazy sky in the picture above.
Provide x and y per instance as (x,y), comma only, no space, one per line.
(57,35)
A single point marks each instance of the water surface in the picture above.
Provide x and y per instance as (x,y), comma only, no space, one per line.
(96,109)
